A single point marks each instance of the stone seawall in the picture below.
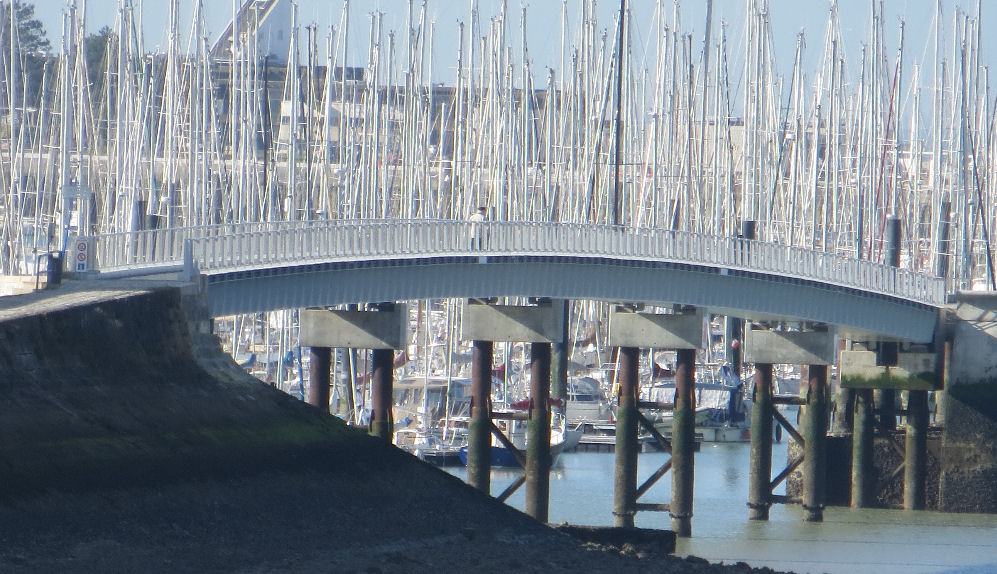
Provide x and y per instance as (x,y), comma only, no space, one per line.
(968,481)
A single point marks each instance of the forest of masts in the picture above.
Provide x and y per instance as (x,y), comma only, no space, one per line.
(698,134)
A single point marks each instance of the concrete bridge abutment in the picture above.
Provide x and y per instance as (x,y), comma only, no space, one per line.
(968,473)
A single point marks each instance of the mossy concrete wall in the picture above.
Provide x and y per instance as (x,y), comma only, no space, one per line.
(968,481)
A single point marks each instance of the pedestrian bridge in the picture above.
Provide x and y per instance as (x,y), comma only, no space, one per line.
(256,267)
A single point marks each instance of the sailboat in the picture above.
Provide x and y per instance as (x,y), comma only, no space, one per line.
(561,439)
(428,412)
(722,412)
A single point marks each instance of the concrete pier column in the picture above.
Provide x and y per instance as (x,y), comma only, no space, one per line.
(760,473)
(684,442)
(815,444)
(479,451)
(381,419)
(538,460)
(916,451)
(625,476)
(319,376)
(863,477)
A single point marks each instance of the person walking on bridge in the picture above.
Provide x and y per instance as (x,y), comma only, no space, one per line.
(476,219)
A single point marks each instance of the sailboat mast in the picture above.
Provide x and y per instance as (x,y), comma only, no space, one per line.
(617,146)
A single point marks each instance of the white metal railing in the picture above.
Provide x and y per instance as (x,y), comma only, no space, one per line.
(233,247)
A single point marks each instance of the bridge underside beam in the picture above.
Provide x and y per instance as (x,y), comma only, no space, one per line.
(789,347)
(740,294)
(386,329)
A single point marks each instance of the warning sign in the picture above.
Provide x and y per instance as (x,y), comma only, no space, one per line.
(83,253)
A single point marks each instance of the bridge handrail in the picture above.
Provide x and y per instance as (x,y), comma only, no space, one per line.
(232,247)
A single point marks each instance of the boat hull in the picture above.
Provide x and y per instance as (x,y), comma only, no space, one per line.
(503,457)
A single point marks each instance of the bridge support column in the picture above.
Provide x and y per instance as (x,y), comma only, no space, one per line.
(916,451)
(479,444)
(625,477)
(540,325)
(815,444)
(682,331)
(381,420)
(383,328)
(863,477)
(760,471)
(865,372)
(320,376)
(538,459)
(814,346)
(684,442)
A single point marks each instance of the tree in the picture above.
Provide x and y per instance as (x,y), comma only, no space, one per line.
(32,43)
(96,46)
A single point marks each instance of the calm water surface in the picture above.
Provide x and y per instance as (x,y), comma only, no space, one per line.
(848,541)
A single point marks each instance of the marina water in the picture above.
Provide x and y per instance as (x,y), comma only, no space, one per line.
(848,541)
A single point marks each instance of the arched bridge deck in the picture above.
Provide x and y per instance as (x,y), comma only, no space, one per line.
(258,267)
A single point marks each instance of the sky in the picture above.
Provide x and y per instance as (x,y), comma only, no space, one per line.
(788,19)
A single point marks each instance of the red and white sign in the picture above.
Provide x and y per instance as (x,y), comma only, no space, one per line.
(83,254)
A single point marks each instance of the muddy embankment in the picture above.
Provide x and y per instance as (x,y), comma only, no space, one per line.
(130,442)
